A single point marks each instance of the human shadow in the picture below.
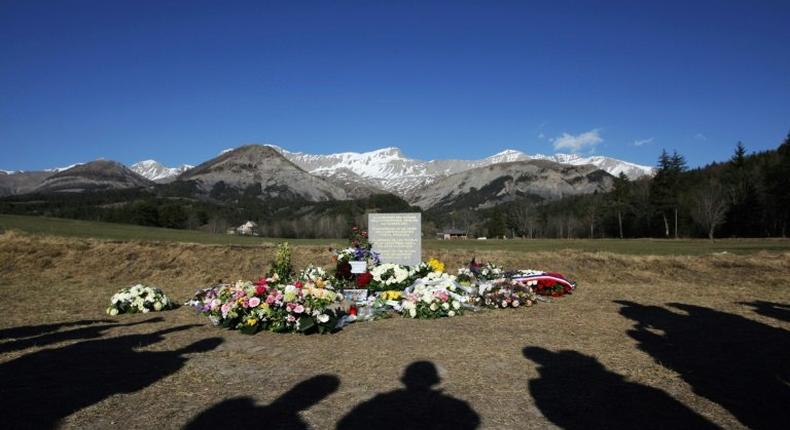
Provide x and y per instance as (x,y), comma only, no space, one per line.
(773,310)
(282,413)
(576,391)
(418,406)
(741,364)
(93,331)
(35,330)
(39,389)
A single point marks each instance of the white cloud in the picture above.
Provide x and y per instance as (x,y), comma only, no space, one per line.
(541,135)
(700,136)
(578,142)
(641,142)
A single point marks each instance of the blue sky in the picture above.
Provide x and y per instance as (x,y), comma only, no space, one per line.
(180,81)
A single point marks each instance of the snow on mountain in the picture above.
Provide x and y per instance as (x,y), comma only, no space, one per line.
(389,169)
(155,171)
(61,169)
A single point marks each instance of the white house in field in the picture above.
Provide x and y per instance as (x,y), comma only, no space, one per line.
(249,228)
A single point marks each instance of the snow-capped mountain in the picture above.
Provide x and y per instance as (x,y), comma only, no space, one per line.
(155,171)
(389,169)
(63,169)
(612,166)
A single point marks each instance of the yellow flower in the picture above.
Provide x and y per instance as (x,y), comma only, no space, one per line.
(251,322)
(320,283)
(437,265)
(392,295)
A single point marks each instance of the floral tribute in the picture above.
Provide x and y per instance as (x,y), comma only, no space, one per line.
(318,301)
(139,299)
(270,305)
(506,293)
(360,250)
(390,277)
(433,299)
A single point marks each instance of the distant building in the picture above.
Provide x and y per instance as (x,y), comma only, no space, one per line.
(451,233)
(249,228)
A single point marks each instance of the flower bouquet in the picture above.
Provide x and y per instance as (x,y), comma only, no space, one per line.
(359,256)
(390,276)
(139,299)
(268,305)
(437,299)
(507,294)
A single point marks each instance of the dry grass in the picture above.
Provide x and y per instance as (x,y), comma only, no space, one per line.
(45,280)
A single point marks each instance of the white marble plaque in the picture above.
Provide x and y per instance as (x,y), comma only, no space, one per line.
(397,237)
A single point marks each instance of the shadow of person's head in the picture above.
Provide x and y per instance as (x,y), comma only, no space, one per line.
(538,355)
(420,376)
(308,392)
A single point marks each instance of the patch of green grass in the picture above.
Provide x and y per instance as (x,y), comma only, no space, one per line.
(125,232)
(109,231)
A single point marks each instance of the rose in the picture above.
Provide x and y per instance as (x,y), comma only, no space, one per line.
(363,279)
(323,318)
(298,309)
(434,307)
(254,302)
(451,313)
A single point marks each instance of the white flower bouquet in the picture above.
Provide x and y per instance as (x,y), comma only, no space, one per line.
(390,277)
(433,299)
(139,299)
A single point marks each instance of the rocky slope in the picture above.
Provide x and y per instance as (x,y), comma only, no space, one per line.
(12,183)
(253,165)
(488,186)
(93,176)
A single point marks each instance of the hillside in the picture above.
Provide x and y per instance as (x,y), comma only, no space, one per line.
(262,171)
(93,176)
(489,186)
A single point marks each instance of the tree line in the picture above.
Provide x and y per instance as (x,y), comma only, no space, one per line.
(746,196)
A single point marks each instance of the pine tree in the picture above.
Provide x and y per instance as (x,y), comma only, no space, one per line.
(620,198)
(665,187)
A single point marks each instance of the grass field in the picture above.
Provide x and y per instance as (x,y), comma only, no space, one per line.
(688,341)
(124,232)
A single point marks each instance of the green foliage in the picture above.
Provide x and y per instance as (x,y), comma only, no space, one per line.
(282,267)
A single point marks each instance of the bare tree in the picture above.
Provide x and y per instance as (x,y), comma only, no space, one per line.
(218,225)
(710,208)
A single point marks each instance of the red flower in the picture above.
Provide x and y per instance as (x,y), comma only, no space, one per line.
(363,279)
(260,290)
(352,311)
(298,284)
(261,282)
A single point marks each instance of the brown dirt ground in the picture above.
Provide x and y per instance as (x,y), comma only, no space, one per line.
(47,280)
